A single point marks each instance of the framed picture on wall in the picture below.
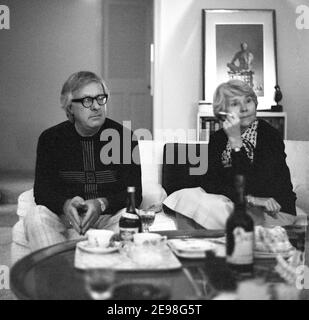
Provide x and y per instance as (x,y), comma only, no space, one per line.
(240,44)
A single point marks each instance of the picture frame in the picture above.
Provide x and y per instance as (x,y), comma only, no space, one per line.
(240,44)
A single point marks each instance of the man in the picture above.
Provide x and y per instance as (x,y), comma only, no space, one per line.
(75,186)
(244,58)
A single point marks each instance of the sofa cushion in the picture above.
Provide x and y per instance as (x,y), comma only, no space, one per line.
(151,155)
(153,196)
(297,160)
(183,165)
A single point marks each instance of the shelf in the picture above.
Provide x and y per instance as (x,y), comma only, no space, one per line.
(207,124)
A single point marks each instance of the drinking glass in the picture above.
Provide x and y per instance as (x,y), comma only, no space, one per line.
(147,219)
(99,283)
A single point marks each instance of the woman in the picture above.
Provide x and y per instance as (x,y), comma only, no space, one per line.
(250,146)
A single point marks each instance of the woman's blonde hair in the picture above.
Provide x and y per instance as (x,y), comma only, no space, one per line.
(229,89)
(75,82)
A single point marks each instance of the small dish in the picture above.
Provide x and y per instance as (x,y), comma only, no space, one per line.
(84,246)
(191,248)
(271,255)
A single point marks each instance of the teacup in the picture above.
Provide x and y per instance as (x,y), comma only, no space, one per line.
(99,238)
(147,238)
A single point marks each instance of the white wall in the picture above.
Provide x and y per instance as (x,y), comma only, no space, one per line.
(178,40)
(47,41)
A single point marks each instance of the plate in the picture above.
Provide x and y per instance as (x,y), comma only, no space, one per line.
(190,255)
(84,246)
(271,255)
(194,248)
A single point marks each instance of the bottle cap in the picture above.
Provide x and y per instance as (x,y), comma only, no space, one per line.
(131,189)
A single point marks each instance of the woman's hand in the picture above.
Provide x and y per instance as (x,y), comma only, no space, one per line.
(231,126)
(270,205)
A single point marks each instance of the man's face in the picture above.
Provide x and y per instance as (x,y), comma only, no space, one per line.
(88,120)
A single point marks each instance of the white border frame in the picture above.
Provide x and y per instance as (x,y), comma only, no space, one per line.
(211,17)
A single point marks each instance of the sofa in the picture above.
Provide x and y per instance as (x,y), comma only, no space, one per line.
(160,179)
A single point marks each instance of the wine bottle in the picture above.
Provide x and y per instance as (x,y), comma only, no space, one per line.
(130,221)
(240,232)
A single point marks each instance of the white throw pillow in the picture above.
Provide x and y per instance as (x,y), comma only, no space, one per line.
(26,203)
(153,196)
(209,210)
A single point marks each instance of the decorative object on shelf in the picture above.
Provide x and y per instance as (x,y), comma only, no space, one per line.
(240,44)
(206,108)
(277,98)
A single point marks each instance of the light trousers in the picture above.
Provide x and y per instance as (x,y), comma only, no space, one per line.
(44,228)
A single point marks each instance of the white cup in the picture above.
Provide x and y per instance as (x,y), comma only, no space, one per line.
(147,238)
(99,238)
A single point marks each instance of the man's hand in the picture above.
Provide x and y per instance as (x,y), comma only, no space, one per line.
(72,209)
(231,126)
(92,214)
(271,206)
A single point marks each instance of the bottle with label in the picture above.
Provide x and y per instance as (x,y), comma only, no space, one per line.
(130,221)
(240,232)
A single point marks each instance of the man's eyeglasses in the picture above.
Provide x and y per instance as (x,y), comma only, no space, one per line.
(87,102)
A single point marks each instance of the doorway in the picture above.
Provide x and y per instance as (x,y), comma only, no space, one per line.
(128,35)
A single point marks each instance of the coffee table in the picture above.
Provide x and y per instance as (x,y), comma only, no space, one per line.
(50,274)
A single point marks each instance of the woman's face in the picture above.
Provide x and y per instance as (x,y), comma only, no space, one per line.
(244,107)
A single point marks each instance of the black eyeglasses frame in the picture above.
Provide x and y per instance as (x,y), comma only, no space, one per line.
(82,100)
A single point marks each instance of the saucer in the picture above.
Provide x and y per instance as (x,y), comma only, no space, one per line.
(84,246)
